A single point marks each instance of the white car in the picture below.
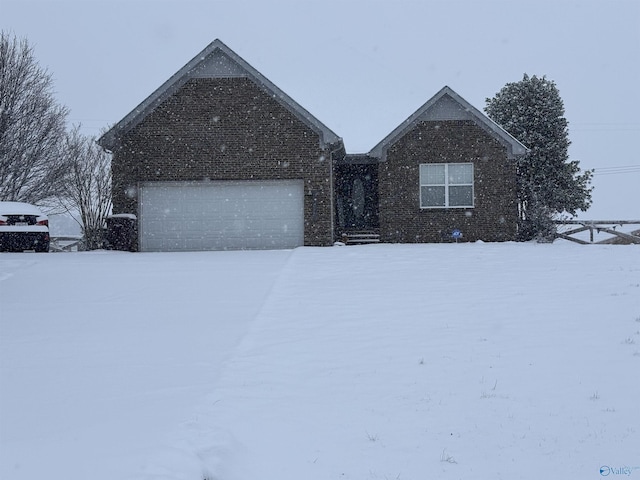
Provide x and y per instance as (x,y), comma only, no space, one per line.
(23,227)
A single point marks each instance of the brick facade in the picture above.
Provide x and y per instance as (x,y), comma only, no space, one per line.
(494,216)
(219,119)
(226,129)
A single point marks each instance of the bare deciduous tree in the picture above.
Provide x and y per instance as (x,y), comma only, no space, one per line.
(32,126)
(87,185)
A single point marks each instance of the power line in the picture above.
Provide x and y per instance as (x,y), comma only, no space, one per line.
(617,170)
(604,127)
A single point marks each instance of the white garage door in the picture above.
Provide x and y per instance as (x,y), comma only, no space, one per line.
(221,215)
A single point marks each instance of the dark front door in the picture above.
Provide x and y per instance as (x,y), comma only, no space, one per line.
(357,197)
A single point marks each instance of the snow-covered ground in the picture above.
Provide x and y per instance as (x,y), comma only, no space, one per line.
(513,361)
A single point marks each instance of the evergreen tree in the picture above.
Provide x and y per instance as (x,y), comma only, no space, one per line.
(548,182)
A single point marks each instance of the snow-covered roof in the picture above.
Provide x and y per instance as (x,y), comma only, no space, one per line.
(19,208)
(215,61)
(448,105)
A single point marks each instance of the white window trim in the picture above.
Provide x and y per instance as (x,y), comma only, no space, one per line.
(447,185)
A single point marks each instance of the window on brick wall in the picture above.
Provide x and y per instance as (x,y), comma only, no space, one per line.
(446,185)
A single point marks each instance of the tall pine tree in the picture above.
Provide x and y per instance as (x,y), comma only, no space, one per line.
(548,182)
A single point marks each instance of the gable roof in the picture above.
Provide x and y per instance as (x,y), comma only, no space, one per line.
(448,105)
(215,61)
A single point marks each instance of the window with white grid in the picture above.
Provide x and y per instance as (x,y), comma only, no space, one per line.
(446,185)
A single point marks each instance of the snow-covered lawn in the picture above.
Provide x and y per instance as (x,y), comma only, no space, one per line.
(376,362)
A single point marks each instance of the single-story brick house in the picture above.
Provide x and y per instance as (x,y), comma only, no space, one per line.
(219,157)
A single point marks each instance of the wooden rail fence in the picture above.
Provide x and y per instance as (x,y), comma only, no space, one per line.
(597,226)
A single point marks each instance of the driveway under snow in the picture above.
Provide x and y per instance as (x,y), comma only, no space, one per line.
(101,353)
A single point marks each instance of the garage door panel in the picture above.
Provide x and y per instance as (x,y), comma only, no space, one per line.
(221,215)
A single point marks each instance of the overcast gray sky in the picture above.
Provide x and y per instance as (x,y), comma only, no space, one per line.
(362,67)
